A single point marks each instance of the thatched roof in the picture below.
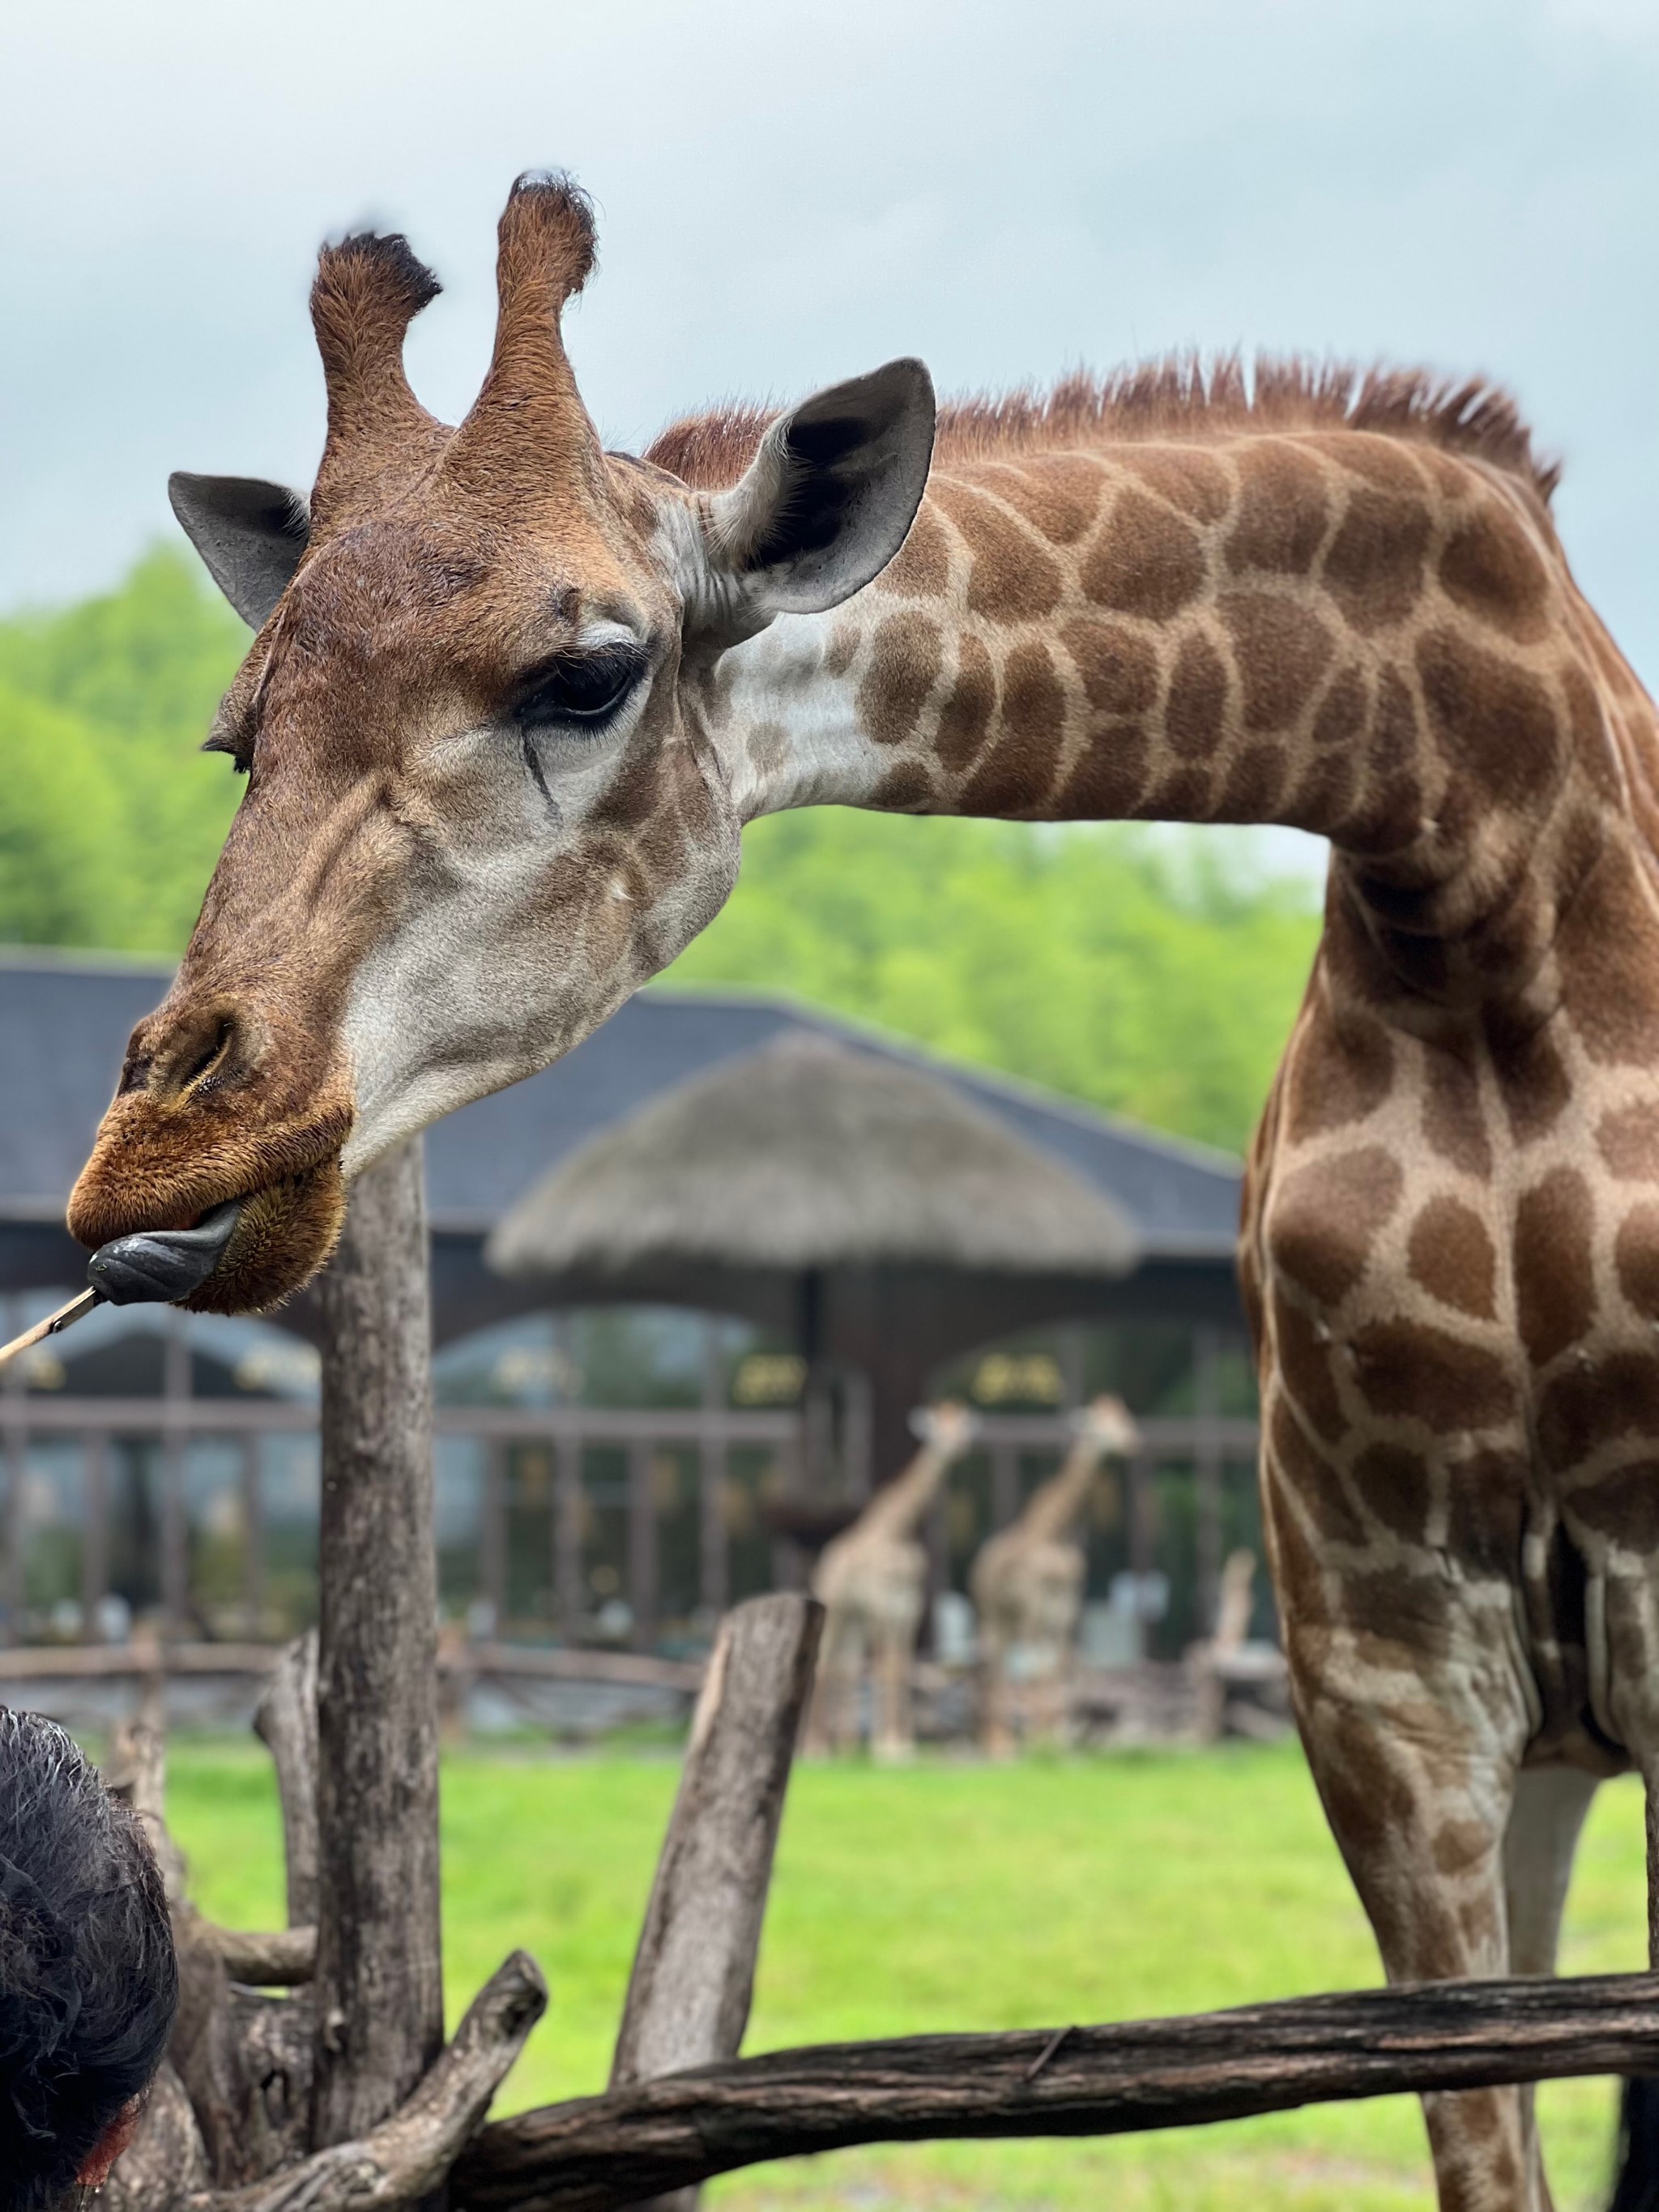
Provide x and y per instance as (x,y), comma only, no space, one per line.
(810,1154)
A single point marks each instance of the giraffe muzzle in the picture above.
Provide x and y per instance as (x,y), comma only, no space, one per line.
(161,1267)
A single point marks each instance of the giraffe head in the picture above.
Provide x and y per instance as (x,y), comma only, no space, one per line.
(948,1428)
(1107,1428)
(481,806)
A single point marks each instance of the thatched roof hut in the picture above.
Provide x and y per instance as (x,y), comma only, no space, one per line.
(807,1156)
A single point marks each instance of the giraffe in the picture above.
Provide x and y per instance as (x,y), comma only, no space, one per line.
(871,1580)
(1027,1587)
(511,699)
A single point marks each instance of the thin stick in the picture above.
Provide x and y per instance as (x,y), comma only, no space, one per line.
(77,1308)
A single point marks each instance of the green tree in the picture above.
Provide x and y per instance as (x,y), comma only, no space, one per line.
(123,834)
(1146,971)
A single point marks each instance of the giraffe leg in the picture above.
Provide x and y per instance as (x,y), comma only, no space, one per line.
(1622,1613)
(834,1698)
(996,1735)
(894,1652)
(1419,1801)
(1548,1813)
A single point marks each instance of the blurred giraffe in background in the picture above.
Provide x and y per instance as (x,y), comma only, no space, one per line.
(873,1583)
(511,698)
(1027,1587)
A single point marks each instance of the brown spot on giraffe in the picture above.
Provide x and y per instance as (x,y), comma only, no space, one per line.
(1430,1374)
(1494,717)
(1196,710)
(1488,566)
(1117,667)
(965,718)
(1326,1219)
(1554,1264)
(906,789)
(1187,479)
(1281,652)
(1608,945)
(905,661)
(1486,1511)
(1377,564)
(1011,579)
(1454,1120)
(1636,1256)
(1149,563)
(1255,787)
(1343,713)
(1451,1253)
(921,567)
(1282,512)
(1595,1401)
(1341,1075)
(1061,495)
(1017,775)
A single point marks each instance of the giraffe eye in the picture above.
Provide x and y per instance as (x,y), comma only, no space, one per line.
(584,690)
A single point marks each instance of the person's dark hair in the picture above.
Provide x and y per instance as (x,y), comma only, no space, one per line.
(89,1979)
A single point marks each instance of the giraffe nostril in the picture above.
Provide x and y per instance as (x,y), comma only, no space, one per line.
(212,1060)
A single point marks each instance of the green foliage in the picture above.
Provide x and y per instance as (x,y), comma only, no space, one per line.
(1149,972)
(112,819)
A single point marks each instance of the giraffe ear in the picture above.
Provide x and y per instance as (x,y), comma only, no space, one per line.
(826,501)
(250,535)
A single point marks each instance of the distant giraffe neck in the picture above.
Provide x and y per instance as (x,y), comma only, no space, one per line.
(1052,1508)
(1364,636)
(896,1511)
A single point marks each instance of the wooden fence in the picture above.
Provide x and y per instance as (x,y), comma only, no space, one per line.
(340,2095)
(710,1434)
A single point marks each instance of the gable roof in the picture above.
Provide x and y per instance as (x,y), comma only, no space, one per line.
(65,1020)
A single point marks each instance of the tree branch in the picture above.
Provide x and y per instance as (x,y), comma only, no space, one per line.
(694,1972)
(597,2153)
(276,1958)
(285,1720)
(411,2152)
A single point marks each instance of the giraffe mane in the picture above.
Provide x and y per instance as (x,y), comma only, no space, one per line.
(1181,396)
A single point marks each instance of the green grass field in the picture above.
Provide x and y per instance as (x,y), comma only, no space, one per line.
(958,1896)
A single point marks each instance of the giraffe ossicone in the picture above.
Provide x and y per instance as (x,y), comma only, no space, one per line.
(513,697)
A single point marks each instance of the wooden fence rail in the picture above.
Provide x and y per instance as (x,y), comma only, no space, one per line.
(597,2153)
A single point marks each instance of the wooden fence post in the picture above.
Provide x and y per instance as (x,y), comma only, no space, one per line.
(694,1972)
(380,1990)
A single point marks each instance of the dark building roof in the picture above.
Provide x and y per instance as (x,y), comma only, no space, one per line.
(65,1020)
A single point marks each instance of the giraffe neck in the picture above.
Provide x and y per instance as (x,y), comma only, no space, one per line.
(1054,1506)
(897,1509)
(1341,631)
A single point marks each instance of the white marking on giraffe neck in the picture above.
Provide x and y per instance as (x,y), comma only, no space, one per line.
(790,734)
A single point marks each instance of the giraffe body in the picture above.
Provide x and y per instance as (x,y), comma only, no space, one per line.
(1027,1586)
(873,1581)
(512,699)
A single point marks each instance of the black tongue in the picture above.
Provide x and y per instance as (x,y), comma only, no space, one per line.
(159,1267)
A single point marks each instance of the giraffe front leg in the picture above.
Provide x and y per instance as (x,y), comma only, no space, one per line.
(834,1696)
(995,1733)
(1420,1805)
(896,1647)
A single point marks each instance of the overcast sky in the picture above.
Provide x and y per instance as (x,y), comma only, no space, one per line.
(791,192)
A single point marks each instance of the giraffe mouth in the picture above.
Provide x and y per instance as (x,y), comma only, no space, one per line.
(246,1254)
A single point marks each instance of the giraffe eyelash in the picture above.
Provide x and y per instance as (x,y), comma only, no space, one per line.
(584,691)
